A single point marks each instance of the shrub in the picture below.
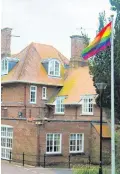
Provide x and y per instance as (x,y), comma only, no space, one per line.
(118,152)
(88,170)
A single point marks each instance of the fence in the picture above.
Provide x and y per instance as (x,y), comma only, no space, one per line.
(53,160)
(50,160)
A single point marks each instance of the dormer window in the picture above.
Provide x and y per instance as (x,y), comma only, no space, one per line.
(87,105)
(59,106)
(54,68)
(7,64)
(4,67)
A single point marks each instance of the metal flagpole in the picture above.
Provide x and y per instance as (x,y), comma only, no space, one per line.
(112,103)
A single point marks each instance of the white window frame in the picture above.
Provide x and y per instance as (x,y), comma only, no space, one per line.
(33,102)
(56,111)
(54,70)
(77,151)
(44,92)
(53,152)
(88,105)
(3,70)
(8,141)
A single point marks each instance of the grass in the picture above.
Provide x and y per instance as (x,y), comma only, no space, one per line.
(92,169)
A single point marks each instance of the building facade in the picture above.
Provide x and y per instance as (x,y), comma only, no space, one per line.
(48,105)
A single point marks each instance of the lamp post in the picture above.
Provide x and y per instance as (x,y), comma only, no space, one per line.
(101,87)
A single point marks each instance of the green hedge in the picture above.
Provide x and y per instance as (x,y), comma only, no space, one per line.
(88,170)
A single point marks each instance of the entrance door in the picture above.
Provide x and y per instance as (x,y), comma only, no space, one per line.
(6,141)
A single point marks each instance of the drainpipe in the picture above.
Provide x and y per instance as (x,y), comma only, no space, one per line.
(25,99)
(76,113)
(38,144)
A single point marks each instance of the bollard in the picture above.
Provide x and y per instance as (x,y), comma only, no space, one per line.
(10,157)
(44,160)
(69,161)
(23,158)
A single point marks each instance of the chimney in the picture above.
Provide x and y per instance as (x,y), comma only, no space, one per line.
(6,42)
(77,45)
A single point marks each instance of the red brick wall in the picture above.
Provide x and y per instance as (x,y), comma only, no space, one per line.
(6,41)
(16,98)
(77,45)
(74,113)
(95,147)
(24,139)
(65,128)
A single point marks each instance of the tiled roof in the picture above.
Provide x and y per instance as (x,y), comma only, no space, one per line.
(78,83)
(106,133)
(29,68)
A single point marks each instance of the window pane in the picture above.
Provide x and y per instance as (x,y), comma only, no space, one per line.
(6,141)
(75,142)
(9,132)
(53,143)
(59,107)
(57,69)
(51,67)
(32,96)
(33,88)
(87,106)
(5,64)
(3,142)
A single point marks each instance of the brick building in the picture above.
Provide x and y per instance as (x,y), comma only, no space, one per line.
(48,105)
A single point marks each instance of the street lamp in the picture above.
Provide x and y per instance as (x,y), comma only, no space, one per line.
(101,87)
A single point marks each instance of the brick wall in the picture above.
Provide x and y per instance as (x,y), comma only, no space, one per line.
(95,147)
(24,139)
(77,45)
(65,128)
(75,113)
(5,41)
(16,98)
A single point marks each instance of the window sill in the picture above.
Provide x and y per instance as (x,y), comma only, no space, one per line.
(32,103)
(44,99)
(87,114)
(53,154)
(76,153)
(52,76)
(59,113)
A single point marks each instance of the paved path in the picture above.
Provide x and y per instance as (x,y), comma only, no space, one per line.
(7,168)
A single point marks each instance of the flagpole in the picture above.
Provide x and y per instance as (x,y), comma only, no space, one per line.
(112,103)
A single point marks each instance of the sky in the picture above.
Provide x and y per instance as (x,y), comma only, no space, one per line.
(51,21)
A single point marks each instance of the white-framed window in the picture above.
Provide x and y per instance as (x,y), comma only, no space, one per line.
(4,66)
(77,143)
(87,105)
(33,94)
(59,106)
(54,68)
(44,92)
(53,143)
(6,141)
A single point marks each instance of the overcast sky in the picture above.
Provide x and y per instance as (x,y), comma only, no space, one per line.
(51,21)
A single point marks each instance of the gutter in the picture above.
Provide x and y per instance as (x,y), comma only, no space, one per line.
(30,82)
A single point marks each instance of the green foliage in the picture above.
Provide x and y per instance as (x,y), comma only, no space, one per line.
(100,67)
(102,20)
(89,170)
(118,152)
(115,4)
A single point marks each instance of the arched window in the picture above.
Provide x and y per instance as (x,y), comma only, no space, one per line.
(54,68)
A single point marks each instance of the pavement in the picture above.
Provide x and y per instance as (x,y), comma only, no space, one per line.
(13,168)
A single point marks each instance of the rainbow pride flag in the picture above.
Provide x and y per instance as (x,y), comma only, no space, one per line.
(101,42)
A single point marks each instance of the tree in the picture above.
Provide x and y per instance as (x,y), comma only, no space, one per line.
(100,67)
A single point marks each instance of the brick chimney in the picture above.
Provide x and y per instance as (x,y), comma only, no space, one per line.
(6,42)
(77,45)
